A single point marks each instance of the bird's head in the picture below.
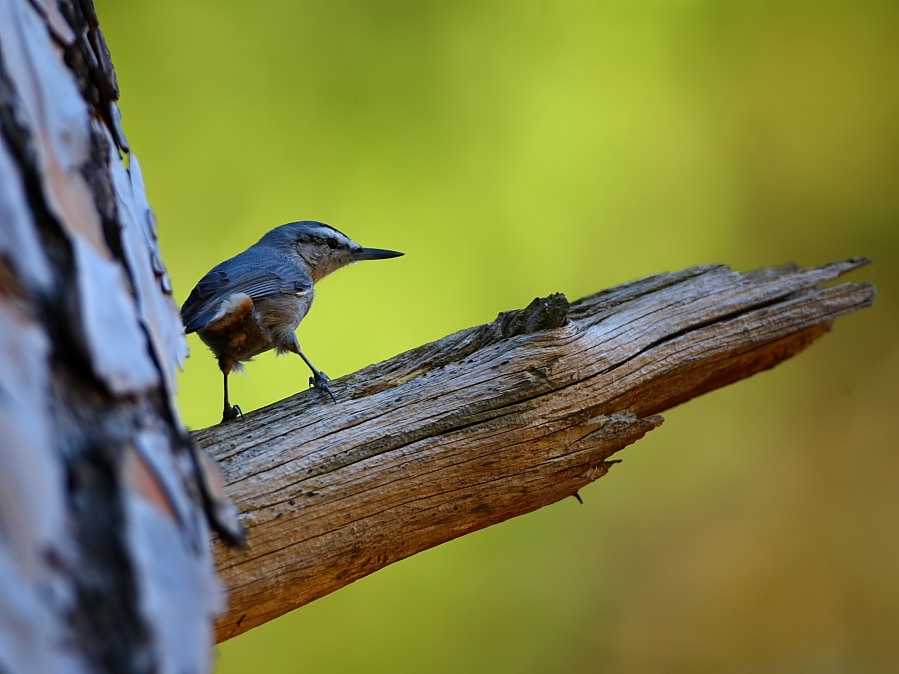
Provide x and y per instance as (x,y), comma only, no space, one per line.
(320,247)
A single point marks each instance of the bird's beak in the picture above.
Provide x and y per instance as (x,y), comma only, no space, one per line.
(375,254)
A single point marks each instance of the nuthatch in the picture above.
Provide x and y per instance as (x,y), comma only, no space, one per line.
(255,301)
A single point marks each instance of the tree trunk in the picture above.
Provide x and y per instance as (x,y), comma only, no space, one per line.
(491,422)
(105,564)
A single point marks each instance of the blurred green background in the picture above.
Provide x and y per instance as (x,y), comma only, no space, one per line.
(514,149)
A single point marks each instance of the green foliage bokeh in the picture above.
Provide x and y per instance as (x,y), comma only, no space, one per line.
(518,148)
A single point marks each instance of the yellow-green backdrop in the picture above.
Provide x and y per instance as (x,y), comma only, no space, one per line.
(517,148)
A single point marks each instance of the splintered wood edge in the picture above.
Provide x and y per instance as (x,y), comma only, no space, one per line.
(491,422)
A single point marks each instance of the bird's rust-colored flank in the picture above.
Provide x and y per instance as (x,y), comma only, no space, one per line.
(234,332)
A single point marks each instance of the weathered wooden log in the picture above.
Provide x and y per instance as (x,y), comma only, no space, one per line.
(491,422)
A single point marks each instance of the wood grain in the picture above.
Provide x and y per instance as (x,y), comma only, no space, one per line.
(491,422)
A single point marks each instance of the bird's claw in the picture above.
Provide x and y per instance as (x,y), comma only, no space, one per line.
(231,412)
(320,381)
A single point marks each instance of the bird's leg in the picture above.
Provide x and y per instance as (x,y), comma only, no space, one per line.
(230,411)
(318,379)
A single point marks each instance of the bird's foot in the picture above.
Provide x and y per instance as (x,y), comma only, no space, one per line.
(320,381)
(231,412)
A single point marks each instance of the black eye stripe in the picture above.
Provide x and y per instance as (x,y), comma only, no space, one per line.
(331,241)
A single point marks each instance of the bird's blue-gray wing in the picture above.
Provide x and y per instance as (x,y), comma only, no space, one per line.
(253,273)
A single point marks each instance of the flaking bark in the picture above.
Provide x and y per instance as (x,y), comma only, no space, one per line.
(104,563)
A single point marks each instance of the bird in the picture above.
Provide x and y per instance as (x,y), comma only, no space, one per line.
(254,301)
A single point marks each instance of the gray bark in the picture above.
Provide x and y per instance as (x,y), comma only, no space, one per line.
(104,558)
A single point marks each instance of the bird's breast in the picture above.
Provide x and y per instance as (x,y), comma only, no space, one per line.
(282,314)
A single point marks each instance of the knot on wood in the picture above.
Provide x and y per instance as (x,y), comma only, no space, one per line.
(543,313)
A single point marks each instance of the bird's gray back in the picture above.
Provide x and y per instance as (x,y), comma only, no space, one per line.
(259,272)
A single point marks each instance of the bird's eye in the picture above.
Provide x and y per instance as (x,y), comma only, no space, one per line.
(332,242)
